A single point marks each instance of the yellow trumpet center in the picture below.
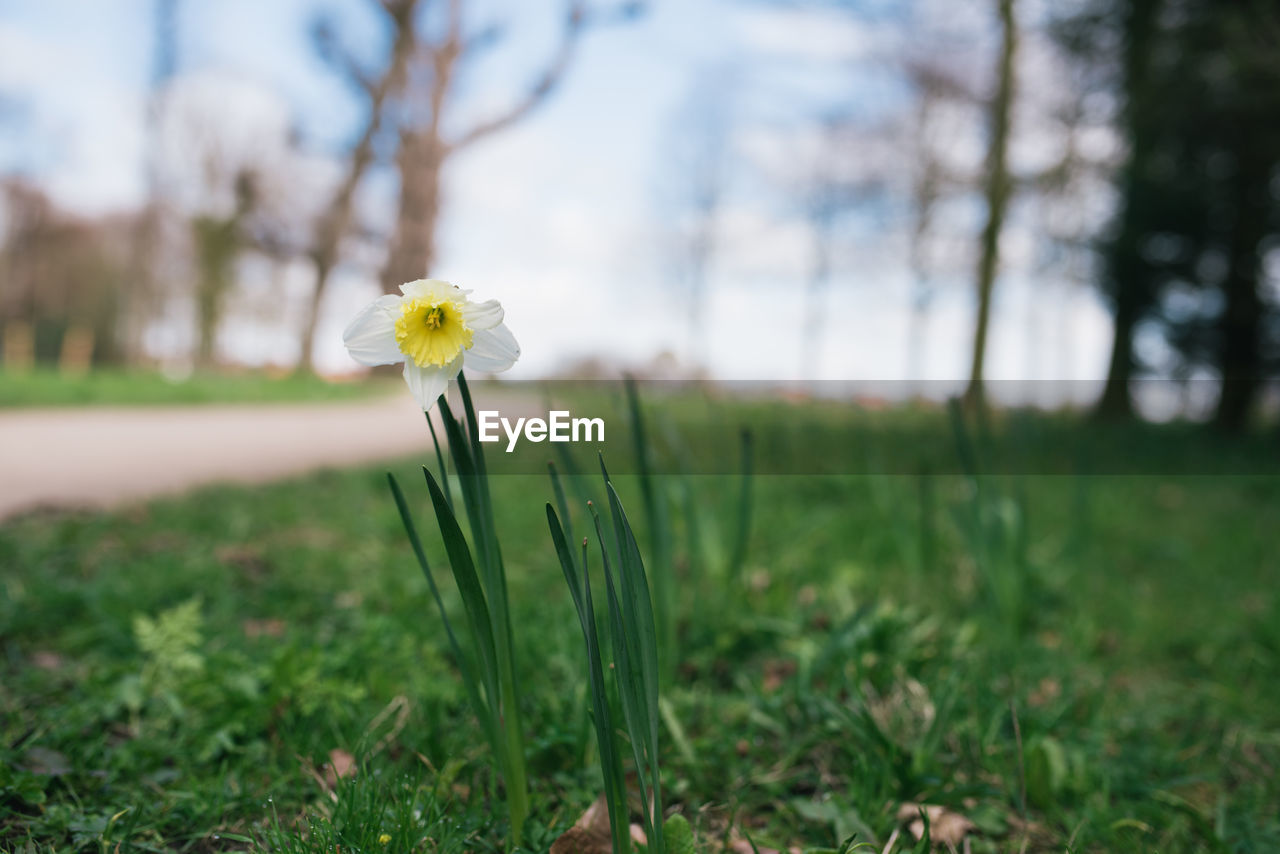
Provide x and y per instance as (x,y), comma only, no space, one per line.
(431,331)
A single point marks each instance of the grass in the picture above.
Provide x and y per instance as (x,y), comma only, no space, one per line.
(46,387)
(1072,663)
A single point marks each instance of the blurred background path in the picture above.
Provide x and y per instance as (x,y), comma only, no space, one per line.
(102,457)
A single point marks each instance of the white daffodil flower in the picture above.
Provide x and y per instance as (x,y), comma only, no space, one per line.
(434,329)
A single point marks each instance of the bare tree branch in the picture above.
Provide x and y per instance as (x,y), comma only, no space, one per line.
(327,44)
(576,20)
(335,222)
(424,148)
(484,38)
(338,217)
(997,191)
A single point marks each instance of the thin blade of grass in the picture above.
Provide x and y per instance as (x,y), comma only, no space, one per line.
(639,605)
(464,573)
(473,428)
(578,481)
(633,617)
(567,563)
(638,616)
(610,760)
(965,447)
(609,532)
(480,516)
(444,470)
(469,680)
(464,465)
(742,537)
(928,525)
(626,666)
(644,463)
(659,524)
(561,503)
(495,576)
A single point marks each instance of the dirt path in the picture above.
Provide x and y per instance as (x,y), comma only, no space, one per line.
(101,457)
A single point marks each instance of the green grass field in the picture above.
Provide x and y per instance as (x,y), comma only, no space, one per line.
(1071,663)
(110,387)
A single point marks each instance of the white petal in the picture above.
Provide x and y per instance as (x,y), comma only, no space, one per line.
(483,315)
(431,288)
(414,288)
(427,384)
(371,336)
(492,350)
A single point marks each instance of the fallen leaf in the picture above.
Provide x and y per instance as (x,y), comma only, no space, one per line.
(46,660)
(776,672)
(247,559)
(904,713)
(590,833)
(1046,692)
(263,628)
(741,845)
(946,827)
(341,764)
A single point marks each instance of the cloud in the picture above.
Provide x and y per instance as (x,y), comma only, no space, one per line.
(81,132)
(813,35)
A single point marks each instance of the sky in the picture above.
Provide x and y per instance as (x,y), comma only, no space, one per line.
(566,218)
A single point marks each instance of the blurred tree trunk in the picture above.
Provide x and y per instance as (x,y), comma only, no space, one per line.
(75,355)
(335,222)
(925,192)
(1240,324)
(218,243)
(138,294)
(821,224)
(413,249)
(324,258)
(422,154)
(1248,325)
(19,354)
(700,251)
(997,195)
(1129,275)
(425,148)
(696,149)
(1128,309)
(411,97)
